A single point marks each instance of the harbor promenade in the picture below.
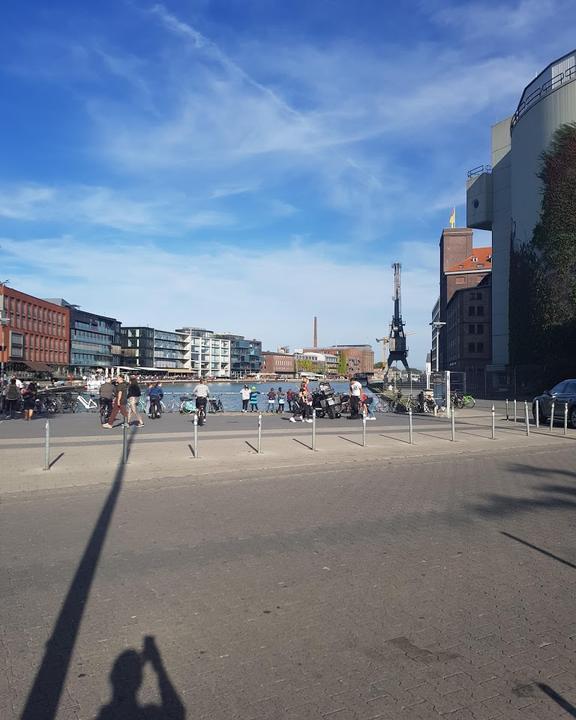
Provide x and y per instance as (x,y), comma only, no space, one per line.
(82,453)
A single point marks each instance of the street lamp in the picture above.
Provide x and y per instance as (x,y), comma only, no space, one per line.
(4,322)
(436,325)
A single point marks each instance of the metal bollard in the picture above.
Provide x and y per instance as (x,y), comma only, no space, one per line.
(507,409)
(259,433)
(552,416)
(537,413)
(124,443)
(493,423)
(565,418)
(515,412)
(410,428)
(195,436)
(526,418)
(453,425)
(47,446)
(363,430)
(314,429)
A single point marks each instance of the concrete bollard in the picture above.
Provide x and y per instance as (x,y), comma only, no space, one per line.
(410,426)
(195,421)
(526,418)
(493,423)
(515,411)
(259,433)
(124,443)
(47,445)
(453,425)
(537,413)
(507,409)
(314,430)
(552,416)
(565,418)
(363,430)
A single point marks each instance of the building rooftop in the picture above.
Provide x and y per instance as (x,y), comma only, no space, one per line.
(480,260)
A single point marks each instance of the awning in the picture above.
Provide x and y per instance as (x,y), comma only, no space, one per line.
(38,366)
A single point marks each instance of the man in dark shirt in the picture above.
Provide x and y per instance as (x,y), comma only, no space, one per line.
(106,393)
(120,401)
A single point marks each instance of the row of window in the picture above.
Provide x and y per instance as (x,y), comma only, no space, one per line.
(476,347)
(22,309)
(475,329)
(475,310)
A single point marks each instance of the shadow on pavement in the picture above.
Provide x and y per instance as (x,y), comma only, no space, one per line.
(538,549)
(44,697)
(564,704)
(126,678)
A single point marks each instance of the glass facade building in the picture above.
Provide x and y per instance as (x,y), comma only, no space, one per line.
(150,348)
(245,356)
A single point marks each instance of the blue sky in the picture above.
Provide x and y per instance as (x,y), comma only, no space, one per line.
(244,165)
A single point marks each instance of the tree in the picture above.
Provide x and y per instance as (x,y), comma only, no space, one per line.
(543,272)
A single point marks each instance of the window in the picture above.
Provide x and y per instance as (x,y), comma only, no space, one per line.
(471,311)
(479,329)
(558,389)
(480,310)
(472,329)
(471,347)
(480,347)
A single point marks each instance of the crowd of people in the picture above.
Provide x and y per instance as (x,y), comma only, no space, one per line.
(17,396)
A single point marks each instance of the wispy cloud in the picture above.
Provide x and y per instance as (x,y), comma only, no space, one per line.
(271,294)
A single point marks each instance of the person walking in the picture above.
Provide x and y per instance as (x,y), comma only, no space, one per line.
(254,399)
(245,396)
(134,395)
(106,392)
(281,401)
(306,403)
(355,395)
(155,395)
(29,394)
(271,400)
(120,402)
(11,399)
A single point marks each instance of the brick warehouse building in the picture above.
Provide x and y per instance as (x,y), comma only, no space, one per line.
(464,342)
(35,333)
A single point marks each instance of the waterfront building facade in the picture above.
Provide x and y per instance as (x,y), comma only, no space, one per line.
(94,340)
(277,363)
(506,197)
(245,355)
(316,361)
(35,334)
(207,352)
(152,349)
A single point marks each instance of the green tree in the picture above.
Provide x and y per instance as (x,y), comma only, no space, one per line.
(543,272)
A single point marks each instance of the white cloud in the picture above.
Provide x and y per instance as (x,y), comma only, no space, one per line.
(105,207)
(269,294)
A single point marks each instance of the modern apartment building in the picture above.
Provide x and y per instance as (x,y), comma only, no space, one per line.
(245,355)
(94,339)
(207,353)
(152,349)
(505,197)
(35,334)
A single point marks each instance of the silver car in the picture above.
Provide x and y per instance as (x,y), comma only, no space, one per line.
(562,394)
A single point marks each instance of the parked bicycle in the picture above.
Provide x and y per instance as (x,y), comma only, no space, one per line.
(215,405)
(461,400)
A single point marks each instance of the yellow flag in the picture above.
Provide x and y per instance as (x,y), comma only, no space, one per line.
(453,218)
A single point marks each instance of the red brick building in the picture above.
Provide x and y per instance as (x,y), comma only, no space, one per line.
(274,363)
(465,306)
(35,333)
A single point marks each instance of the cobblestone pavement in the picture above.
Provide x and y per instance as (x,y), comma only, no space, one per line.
(415,589)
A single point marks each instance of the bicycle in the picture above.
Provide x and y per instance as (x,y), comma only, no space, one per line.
(201,410)
(90,405)
(459,401)
(215,405)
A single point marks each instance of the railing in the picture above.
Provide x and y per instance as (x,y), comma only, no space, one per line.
(543,91)
(479,170)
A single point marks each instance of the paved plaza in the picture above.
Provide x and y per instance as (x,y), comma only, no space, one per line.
(390,581)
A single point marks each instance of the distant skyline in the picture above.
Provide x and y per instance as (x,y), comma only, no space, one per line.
(244,165)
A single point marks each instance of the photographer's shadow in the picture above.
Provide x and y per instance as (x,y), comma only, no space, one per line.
(126,678)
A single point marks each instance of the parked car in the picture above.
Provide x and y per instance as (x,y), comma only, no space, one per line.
(562,393)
